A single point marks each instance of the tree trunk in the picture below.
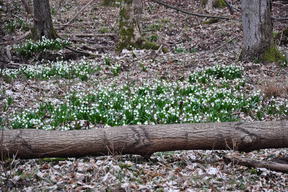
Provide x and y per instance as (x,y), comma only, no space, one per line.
(257,29)
(42,20)
(144,140)
(2,55)
(129,25)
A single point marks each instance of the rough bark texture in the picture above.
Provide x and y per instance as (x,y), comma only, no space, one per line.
(2,55)
(144,140)
(129,24)
(257,28)
(42,20)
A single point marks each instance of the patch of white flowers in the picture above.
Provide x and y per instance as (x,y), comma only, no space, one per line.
(63,69)
(220,98)
(30,47)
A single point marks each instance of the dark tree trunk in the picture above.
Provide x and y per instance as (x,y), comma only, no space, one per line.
(42,20)
(257,28)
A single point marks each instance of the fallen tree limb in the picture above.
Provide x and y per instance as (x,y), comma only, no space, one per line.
(273,166)
(280,18)
(95,35)
(84,53)
(77,14)
(144,139)
(17,39)
(229,6)
(189,13)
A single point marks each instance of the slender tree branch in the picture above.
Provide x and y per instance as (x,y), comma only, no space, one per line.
(280,18)
(189,13)
(77,14)
(274,166)
(230,8)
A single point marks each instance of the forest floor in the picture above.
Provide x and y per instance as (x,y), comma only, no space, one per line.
(192,44)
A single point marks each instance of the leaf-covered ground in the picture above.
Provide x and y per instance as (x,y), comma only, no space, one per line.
(193,46)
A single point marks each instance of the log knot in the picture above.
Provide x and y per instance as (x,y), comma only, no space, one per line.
(249,139)
(141,137)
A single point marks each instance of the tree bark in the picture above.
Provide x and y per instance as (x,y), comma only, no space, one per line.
(2,55)
(129,25)
(42,20)
(257,29)
(144,140)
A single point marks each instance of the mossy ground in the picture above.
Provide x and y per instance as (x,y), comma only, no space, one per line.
(272,54)
(219,4)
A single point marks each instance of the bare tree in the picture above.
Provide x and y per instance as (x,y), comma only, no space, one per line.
(42,20)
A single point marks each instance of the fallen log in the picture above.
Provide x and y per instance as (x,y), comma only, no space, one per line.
(143,139)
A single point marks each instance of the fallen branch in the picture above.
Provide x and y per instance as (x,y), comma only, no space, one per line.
(96,35)
(273,166)
(224,44)
(96,48)
(229,6)
(20,38)
(189,13)
(83,52)
(144,139)
(91,34)
(77,14)
(279,18)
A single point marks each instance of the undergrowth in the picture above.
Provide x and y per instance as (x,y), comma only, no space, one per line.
(61,69)
(213,94)
(30,47)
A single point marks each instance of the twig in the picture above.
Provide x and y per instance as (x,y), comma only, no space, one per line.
(94,35)
(97,48)
(281,167)
(82,52)
(230,8)
(224,44)
(280,18)
(190,13)
(76,15)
